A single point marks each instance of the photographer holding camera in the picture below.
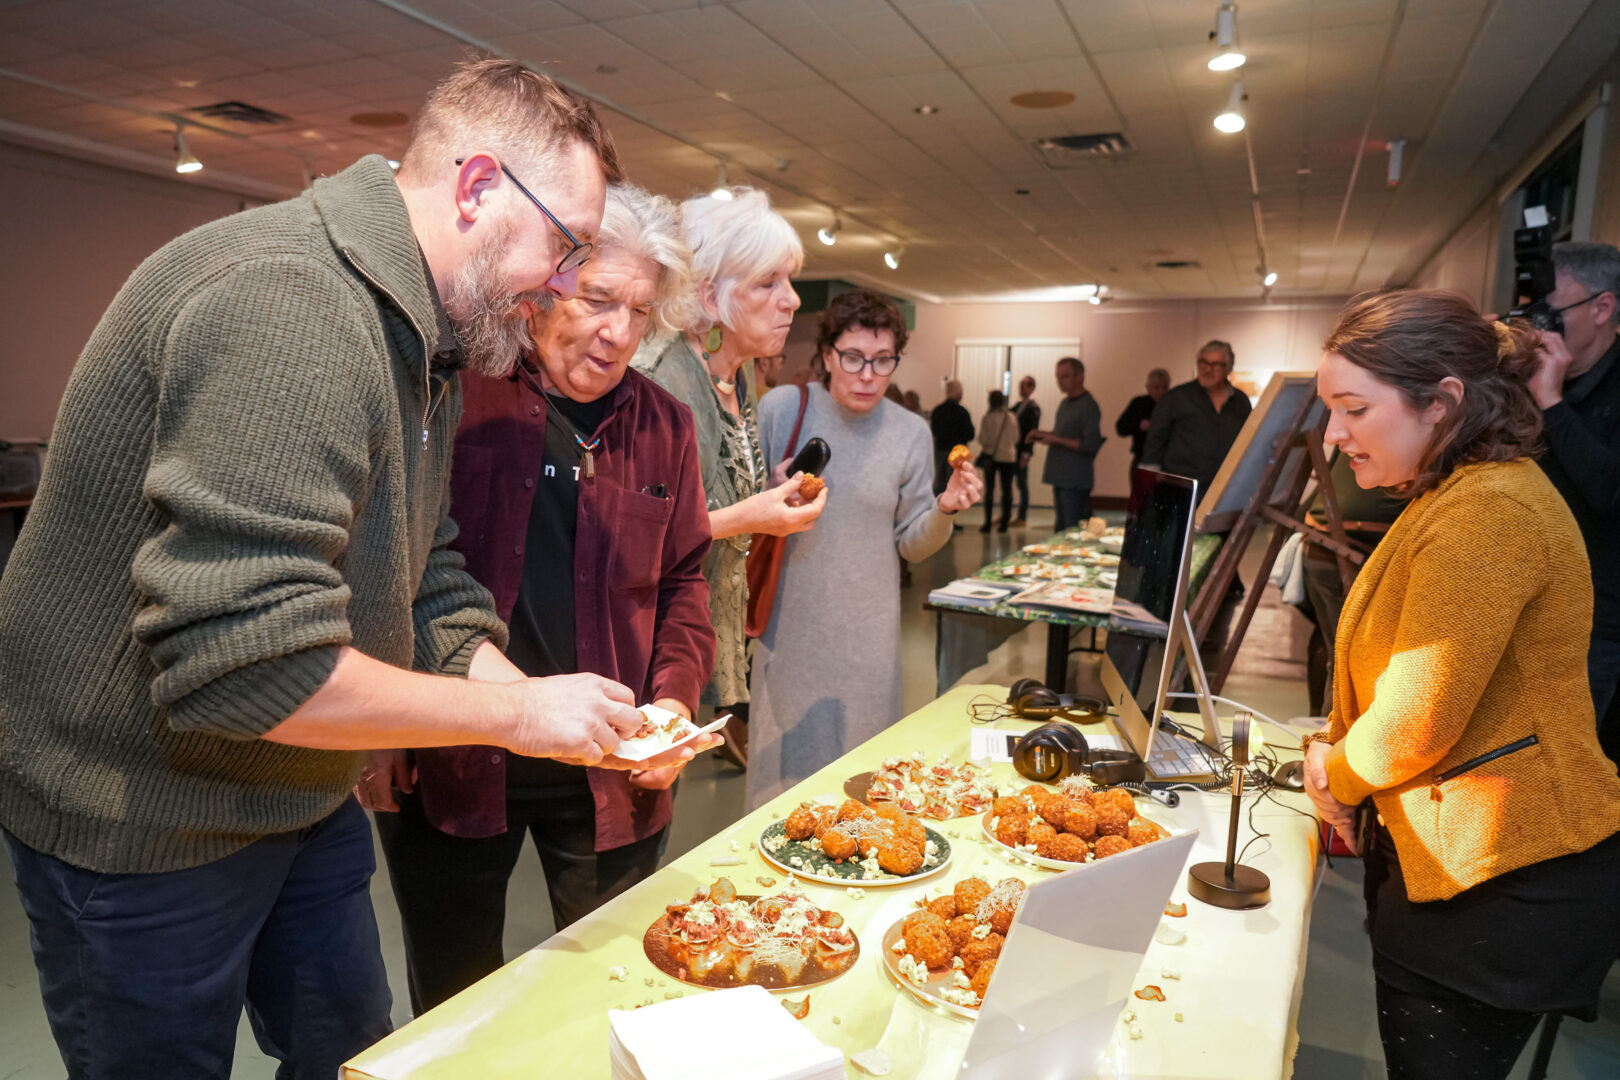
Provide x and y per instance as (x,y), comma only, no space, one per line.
(1578,389)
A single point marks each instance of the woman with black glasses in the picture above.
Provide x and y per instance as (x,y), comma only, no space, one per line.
(826,671)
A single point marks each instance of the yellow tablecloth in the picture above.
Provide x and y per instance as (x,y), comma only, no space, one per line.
(545,1013)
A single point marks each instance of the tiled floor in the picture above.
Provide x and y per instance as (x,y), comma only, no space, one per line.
(1337,1031)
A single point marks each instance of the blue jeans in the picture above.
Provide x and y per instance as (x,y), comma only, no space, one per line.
(1073,506)
(145,975)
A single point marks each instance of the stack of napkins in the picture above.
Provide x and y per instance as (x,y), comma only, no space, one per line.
(741,1034)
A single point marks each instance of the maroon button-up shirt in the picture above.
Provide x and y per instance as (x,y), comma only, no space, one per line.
(641,604)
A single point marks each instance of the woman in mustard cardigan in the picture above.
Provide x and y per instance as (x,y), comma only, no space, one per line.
(1461,702)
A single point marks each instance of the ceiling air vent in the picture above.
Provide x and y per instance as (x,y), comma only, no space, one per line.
(1178,264)
(1061,150)
(240,113)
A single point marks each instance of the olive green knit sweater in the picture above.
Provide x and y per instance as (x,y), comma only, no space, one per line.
(244,475)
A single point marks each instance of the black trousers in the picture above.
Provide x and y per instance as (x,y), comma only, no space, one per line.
(451,890)
(1022,476)
(1003,470)
(1428,1036)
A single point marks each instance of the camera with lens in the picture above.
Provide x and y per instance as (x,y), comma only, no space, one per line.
(1534,278)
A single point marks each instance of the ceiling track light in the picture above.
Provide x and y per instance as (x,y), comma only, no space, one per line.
(891,258)
(828,234)
(184,160)
(722,186)
(1232,121)
(1270,279)
(1228,57)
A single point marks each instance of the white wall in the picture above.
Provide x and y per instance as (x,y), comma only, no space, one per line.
(73,233)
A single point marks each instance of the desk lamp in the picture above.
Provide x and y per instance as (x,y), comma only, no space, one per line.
(1229,884)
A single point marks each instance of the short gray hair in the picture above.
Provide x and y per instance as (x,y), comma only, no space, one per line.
(1595,266)
(648,226)
(735,242)
(1160,376)
(1217,345)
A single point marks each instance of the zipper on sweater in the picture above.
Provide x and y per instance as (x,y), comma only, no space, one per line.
(1474,763)
(427,378)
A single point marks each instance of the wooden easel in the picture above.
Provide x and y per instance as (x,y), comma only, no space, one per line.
(1282,499)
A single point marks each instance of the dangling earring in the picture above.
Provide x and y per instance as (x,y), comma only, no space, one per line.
(712,342)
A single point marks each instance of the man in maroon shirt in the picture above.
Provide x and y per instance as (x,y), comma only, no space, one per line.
(577,490)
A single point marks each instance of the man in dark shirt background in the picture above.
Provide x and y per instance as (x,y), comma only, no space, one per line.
(1196,423)
(1578,389)
(952,426)
(1072,445)
(1028,413)
(1134,422)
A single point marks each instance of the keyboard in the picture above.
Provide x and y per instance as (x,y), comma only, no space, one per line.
(1175,755)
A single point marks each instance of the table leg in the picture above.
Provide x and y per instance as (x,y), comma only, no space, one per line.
(1057,657)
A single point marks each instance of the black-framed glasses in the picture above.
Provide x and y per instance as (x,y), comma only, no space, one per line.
(579,254)
(853,360)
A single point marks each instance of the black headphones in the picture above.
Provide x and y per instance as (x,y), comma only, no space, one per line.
(1033,700)
(1053,752)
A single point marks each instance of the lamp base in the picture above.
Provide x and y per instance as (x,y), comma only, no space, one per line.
(1246,888)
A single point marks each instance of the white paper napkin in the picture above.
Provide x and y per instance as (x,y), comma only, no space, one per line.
(739,1034)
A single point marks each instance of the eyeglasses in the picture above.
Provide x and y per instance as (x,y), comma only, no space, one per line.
(853,360)
(578,254)
(1213,365)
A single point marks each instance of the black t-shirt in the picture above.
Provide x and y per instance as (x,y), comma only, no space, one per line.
(542,624)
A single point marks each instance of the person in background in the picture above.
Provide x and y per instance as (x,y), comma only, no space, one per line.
(600,486)
(893,394)
(913,402)
(768,371)
(1196,423)
(1134,422)
(237,577)
(952,426)
(1578,390)
(998,457)
(1028,412)
(1324,586)
(1072,446)
(1480,922)
(827,669)
(744,256)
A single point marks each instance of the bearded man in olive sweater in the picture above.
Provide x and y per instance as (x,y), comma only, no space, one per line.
(237,576)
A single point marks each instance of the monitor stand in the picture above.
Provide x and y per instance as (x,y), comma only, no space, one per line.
(1183,642)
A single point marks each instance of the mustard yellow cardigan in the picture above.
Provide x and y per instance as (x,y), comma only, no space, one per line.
(1466,631)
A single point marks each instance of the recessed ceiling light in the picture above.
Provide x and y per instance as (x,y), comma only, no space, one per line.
(1043,99)
(926,110)
(1271,279)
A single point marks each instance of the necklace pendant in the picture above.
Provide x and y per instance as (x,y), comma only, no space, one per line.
(587,465)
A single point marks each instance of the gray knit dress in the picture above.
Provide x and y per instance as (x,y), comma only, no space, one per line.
(827,671)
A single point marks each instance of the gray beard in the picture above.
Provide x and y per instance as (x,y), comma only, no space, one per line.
(488,320)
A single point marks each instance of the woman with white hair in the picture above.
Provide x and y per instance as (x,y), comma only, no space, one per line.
(744,256)
(577,490)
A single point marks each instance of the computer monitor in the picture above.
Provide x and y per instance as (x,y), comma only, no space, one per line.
(1149,627)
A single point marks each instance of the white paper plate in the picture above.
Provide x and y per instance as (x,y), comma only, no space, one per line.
(642,749)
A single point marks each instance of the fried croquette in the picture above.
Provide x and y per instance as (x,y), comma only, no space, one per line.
(928,939)
(978,951)
(890,811)
(1141,832)
(1120,798)
(1040,833)
(958,455)
(1052,806)
(1109,845)
(826,817)
(851,810)
(1035,791)
(943,906)
(1011,829)
(896,856)
(961,929)
(811,486)
(1009,804)
(1067,847)
(970,893)
(980,980)
(1080,820)
(1111,821)
(837,843)
(801,824)
(912,832)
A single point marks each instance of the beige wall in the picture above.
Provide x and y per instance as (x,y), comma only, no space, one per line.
(73,233)
(1119,341)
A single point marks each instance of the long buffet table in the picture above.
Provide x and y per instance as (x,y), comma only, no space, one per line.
(546,1012)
